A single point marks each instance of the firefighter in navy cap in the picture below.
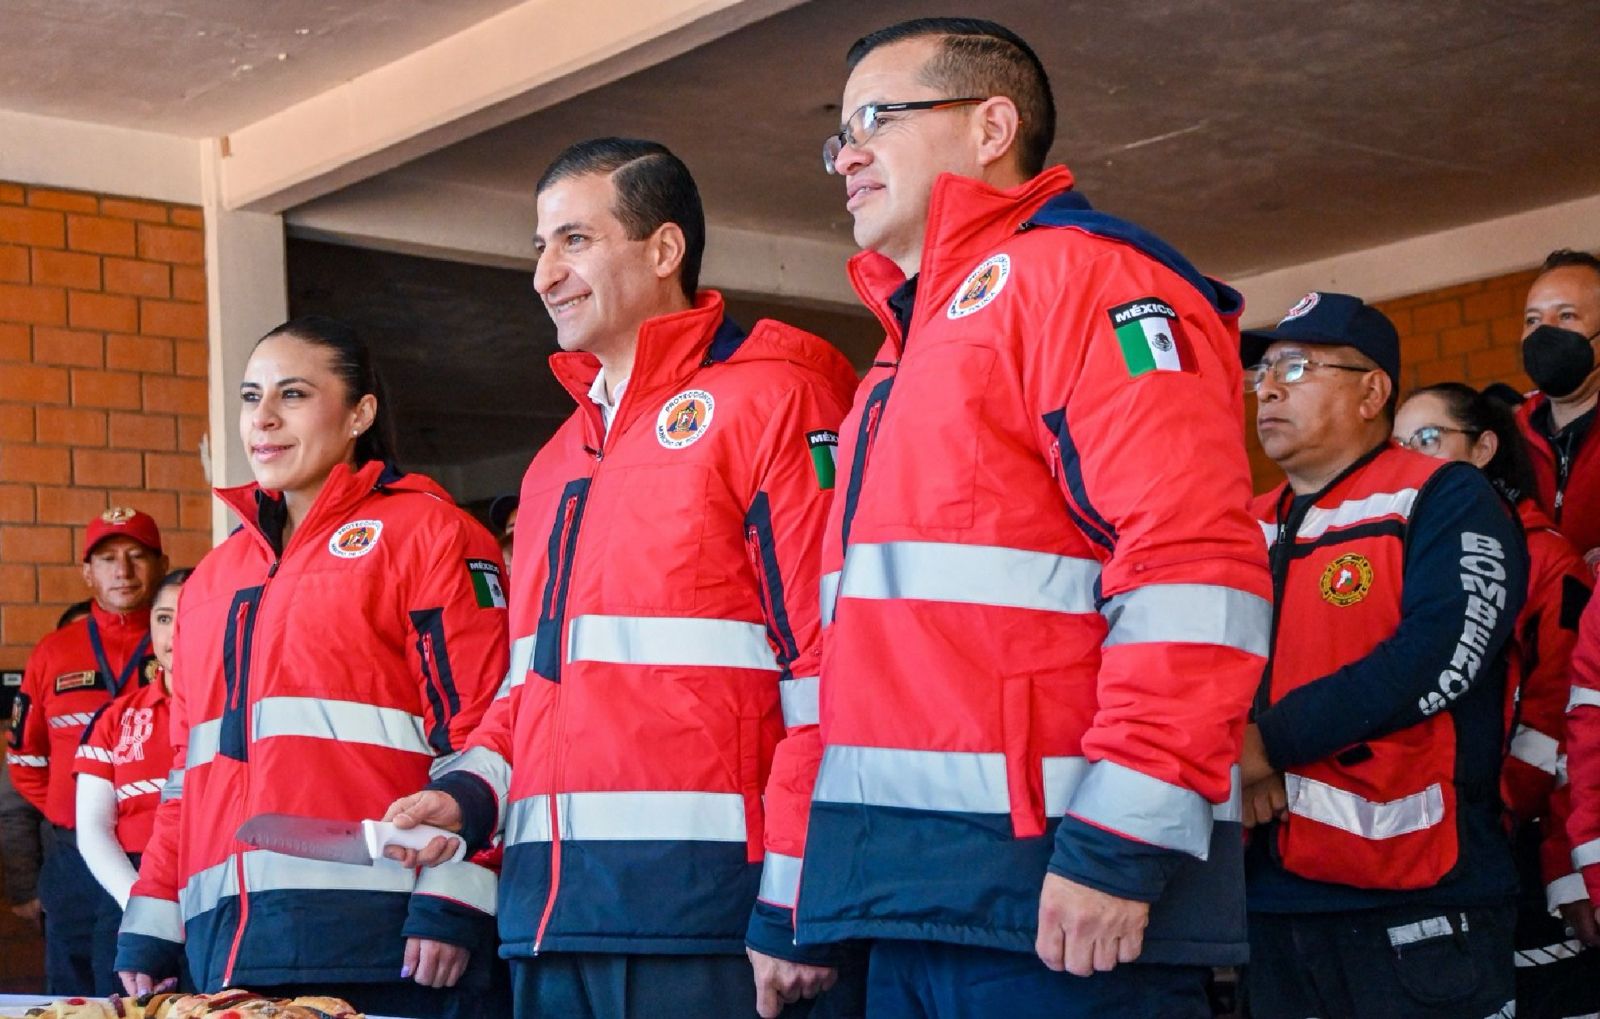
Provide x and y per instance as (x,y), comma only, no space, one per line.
(72,673)
(1379,881)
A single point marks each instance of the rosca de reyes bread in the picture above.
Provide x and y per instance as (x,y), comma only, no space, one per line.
(233,1003)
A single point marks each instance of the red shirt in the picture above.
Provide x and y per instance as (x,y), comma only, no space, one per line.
(64,684)
(128,744)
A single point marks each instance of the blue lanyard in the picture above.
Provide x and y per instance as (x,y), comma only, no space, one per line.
(117,679)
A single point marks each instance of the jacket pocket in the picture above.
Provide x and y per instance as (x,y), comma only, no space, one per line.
(1379,815)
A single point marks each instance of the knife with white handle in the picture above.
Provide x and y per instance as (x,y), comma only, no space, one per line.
(355,842)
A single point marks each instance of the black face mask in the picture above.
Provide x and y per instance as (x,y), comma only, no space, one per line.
(1557,360)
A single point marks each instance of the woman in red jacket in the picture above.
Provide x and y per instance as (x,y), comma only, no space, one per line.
(329,653)
(1456,422)
(121,766)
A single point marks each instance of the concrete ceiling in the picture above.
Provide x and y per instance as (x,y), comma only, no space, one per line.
(1253,133)
(204,67)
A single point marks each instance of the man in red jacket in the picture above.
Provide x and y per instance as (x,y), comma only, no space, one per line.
(1560,327)
(1046,606)
(663,611)
(71,674)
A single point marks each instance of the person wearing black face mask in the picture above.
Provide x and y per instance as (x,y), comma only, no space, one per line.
(1560,327)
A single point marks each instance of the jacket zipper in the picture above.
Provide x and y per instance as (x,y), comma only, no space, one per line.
(570,532)
(242,702)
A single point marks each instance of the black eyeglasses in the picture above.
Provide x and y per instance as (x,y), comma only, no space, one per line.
(865,121)
(1290,369)
(1428,438)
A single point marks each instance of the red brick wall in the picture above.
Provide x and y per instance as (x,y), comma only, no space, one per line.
(1469,333)
(102,388)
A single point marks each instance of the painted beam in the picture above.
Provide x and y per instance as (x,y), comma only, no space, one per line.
(526,58)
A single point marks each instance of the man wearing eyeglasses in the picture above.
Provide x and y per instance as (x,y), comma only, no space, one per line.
(1048,603)
(1380,883)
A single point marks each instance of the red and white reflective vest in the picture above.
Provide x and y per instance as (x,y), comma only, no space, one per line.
(129,745)
(665,634)
(324,681)
(1380,815)
(1043,593)
(63,686)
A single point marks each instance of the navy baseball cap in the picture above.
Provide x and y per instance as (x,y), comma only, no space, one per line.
(1327,319)
(500,511)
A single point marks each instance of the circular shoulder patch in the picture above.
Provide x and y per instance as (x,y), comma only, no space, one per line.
(1347,579)
(684,418)
(355,539)
(981,286)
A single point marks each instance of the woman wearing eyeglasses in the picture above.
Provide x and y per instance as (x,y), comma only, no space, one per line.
(1453,421)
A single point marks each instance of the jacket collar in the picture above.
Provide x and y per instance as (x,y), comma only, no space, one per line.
(257,507)
(138,620)
(671,349)
(966,218)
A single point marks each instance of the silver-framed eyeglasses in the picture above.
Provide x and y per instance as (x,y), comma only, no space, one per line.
(1289,370)
(1428,438)
(865,121)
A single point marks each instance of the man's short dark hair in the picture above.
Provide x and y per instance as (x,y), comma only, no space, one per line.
(1563,257)
(653,187)
(980,58)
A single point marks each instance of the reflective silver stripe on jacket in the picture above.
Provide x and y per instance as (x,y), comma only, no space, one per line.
(1586,854)
(1319,521)
(71,718)
(1349,812)
(142,788)
(484,763)
(27,761)
(1190,614)
(88,753)
(152,918)
(970,575)
(666,640)
(1134,804)
(1583,697)
(947,780)
(830,595)
(668,816)
(799,697)
(464,882)
(202,745)
(173,788)
(339,721)
(780,880)
(273,872)
(962,782)
(522,650)
(1565,889)
(1534,748)
(205,888)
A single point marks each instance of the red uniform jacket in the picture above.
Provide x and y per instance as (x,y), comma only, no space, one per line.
(1049,606)
(320,677)
(665,620)
(63,686)
(129,744)
(1568,491)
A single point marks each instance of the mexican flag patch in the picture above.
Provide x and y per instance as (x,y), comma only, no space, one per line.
(1151,340)
(486,584)
(824,447)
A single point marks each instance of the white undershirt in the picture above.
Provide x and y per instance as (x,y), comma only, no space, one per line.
(97,838)
(607,402)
